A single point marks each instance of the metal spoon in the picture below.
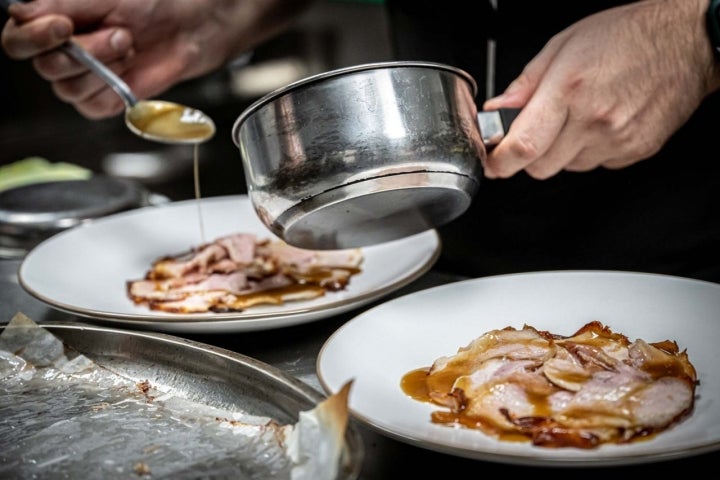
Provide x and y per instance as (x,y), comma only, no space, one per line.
(157,120)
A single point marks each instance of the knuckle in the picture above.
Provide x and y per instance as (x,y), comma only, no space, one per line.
(11,47)
(523,148)
(511,156)
(51,66)
(500,169)
(541,171)
(647,148)
(68,90)
(102,106)
(580,165)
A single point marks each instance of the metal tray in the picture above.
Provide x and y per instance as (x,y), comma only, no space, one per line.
(201,372)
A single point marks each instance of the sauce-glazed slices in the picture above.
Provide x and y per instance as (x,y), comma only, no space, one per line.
(592,388)
(237,271)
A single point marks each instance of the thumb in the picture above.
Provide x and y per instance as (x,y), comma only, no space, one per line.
(515,95)
(520,90)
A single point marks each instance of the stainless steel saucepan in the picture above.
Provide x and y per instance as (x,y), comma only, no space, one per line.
(366,154)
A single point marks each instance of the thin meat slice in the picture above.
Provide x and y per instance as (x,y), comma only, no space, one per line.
(582,391)
(239,271)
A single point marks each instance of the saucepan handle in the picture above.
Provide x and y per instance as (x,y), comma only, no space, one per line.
(494,124)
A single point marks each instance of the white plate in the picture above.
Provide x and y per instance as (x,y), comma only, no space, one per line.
(83,270)
(380,345)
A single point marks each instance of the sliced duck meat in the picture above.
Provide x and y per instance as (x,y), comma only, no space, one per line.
(239,271)
(584,390)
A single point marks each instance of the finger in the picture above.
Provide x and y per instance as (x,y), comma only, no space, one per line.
(582,162)
(522,88)
(618,163)
(515,96)
(83,12)
(30,39)
(153,74)
(106,103)
(81,87)
(106,45)
(580,146)
(563,151)
(589,158)
(621,152)
(24,11)
(531,135)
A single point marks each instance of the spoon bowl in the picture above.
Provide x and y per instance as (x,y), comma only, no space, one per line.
(168,122)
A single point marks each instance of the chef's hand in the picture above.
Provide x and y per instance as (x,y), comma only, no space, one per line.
(151,44)
(607,91)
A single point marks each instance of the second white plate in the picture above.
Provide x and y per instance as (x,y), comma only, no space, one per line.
(379,346)
(83,270)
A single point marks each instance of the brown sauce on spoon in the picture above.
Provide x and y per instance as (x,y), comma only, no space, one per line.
(170,122)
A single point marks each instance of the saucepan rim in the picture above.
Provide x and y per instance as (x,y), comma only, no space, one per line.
(272,96)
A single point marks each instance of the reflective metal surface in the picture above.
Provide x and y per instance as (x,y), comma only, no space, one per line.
(32,213)
(202,375)
(364,154)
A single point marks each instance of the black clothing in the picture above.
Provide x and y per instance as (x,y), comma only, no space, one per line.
(660,215)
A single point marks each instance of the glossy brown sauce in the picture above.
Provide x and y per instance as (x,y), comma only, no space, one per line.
(167,120)
(414,384)
(443,389)
(274,296)
(278,296)
(320,275)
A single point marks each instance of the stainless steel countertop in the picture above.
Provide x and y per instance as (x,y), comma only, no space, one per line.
(295,349)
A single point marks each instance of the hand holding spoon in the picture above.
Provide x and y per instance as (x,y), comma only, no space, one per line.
(156,120)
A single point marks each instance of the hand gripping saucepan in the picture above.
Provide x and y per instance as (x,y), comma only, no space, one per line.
(366,154)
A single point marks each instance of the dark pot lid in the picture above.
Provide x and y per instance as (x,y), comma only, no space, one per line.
(33,212)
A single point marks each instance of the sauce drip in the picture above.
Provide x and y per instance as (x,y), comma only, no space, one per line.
(196,178)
